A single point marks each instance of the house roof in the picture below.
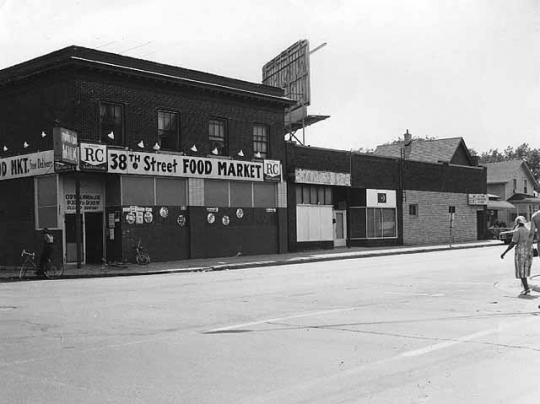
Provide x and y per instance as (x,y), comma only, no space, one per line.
(431,151)
(498,172)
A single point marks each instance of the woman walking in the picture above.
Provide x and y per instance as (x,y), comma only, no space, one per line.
(523,254)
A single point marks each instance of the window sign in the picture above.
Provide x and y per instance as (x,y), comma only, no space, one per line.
(89,203)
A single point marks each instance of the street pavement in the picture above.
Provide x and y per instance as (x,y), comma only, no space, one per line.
(244,261)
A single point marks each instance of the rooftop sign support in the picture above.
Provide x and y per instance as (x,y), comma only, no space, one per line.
(290,71)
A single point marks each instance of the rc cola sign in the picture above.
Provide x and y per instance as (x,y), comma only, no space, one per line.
(93,157)
(272,170)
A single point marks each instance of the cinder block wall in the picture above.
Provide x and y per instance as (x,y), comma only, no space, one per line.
(432,224)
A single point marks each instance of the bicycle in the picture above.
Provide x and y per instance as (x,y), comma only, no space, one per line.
(141,257)
(51,270)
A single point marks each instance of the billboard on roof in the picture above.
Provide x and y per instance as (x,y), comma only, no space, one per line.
(290,71)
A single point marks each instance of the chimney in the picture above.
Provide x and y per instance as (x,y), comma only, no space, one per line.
(407,144)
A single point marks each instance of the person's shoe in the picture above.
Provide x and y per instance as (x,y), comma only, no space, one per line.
(526,292)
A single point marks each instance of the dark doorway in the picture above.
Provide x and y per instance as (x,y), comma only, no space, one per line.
(93,228)
(71,239)
(481,224)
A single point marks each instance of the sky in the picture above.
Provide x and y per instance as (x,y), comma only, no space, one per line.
(437,68)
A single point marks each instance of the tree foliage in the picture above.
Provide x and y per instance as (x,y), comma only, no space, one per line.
(522,152)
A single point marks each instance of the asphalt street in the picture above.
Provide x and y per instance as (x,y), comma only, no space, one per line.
(439,327)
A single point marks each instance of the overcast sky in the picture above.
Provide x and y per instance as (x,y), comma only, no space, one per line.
(439,68)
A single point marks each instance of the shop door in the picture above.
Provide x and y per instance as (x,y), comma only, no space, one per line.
(93,232)
(71,240)
(340,228)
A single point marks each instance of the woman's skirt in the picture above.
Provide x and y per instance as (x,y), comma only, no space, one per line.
(523,260)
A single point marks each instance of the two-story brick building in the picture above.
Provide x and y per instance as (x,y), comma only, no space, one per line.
(185,161)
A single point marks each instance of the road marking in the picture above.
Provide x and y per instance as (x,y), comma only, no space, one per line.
(271,320)
(448,344)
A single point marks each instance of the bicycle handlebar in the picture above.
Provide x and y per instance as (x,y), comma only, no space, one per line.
(31,254)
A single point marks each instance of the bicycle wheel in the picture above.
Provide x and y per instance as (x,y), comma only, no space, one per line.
(142,258)
(25,267)
(53,271)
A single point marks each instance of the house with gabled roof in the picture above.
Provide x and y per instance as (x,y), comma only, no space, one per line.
(450,151)
(512,181)
(429,200)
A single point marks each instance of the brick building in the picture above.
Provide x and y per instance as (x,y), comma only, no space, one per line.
(339,198)
(185,161)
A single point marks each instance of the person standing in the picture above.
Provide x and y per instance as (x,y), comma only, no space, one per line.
(523,253)
(48,246)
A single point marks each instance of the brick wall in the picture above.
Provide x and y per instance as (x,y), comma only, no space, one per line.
(432,225)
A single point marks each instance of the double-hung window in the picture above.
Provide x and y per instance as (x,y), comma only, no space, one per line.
(111,119)
(217,136)
(168,138)
(260,141)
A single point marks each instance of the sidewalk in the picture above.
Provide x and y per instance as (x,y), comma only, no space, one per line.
(248,261)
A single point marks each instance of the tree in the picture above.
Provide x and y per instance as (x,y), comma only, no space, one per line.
(522,152)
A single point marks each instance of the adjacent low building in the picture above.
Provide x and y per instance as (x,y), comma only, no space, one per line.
(339,198)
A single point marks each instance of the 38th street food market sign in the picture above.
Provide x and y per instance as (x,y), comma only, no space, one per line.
(140,163)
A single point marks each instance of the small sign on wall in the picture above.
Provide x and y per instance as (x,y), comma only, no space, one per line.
(478,199)
(380,198)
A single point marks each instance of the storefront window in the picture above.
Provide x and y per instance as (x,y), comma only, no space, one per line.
(216,193)
(313,195)
(241,194)
(264,195)
(138,191)
(381,222)
(171,191)
(369,223)
(47,201)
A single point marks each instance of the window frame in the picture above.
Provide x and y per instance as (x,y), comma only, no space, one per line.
(257,141)
(221,142)
(168,133)
(105,127)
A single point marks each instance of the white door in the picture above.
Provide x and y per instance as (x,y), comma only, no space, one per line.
(340,228)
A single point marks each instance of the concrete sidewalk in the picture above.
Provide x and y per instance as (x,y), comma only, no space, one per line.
(241,261)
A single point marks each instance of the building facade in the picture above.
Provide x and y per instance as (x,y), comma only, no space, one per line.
(107,150)
(515,186)
(339,198)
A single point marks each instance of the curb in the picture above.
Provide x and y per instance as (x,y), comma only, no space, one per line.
(262,264)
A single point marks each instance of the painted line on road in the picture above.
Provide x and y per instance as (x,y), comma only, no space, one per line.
(271,320)
(448,344)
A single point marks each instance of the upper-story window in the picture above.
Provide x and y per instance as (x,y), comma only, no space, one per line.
(524,186)
(514,186)
(217,136)
(168,134)
(260,141)
(111,119)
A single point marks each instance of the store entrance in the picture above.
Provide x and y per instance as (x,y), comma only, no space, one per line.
(93,234)
(340,228)
(91,237)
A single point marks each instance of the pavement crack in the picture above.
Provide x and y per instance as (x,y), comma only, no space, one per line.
(416,337)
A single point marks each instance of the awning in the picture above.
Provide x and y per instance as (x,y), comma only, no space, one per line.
(500,205)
